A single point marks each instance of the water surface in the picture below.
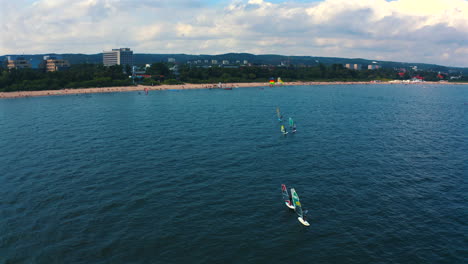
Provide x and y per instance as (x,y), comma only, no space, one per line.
(194,176)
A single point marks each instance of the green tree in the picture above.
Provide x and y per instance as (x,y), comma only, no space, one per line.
(158,68)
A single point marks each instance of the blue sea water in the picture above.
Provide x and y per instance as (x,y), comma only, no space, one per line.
(194,176)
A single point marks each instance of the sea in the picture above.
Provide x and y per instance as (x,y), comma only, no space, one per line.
(194,176)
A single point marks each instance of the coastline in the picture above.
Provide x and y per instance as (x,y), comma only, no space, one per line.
(187,86)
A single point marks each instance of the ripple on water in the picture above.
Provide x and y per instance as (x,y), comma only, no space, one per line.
(194,176)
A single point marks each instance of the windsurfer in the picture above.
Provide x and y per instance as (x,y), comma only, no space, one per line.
(304,215)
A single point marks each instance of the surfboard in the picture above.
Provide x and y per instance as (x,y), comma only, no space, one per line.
(304,222)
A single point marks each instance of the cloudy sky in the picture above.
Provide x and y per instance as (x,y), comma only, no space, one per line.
(429,31)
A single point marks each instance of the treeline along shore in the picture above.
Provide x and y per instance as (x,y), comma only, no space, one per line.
(92,78)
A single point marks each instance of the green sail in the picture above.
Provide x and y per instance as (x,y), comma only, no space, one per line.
(296,202)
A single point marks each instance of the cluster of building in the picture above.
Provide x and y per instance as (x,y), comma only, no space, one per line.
(360,66)
(214,62)
(124,56)
(49,63)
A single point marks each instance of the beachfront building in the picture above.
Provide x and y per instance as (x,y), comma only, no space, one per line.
(214,61)
(55,63)
(122,56)
(353,66)
(19,62)
(171,60)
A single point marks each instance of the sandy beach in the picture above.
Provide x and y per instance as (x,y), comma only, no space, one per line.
(141,88)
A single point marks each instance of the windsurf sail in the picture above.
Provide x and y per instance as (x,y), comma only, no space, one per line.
(278,113)
(283,129)
(291,122)
(286,199)
(296,203)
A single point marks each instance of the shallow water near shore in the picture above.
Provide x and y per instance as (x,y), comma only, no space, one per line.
(195,176)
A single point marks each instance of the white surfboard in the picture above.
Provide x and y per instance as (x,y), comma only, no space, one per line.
(290,206)
(304,222)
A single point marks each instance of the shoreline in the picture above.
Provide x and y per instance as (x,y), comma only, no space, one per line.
(187,86)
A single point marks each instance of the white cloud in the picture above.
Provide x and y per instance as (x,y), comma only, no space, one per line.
(431,31)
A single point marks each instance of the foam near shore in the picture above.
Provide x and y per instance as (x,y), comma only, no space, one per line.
(171,87)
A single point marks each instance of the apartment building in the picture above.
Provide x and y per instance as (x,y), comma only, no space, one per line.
(55,63)
(122,56)
(18,62)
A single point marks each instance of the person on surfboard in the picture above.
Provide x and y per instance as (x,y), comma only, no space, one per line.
(304,215)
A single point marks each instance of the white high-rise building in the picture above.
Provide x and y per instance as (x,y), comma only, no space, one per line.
(122,56)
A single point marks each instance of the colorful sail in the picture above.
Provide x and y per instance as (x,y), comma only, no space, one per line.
(285,192)
(286,199)
(283,129)
(291,122)
(278,114)
(296,203)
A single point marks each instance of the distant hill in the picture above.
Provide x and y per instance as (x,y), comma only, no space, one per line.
(268,59)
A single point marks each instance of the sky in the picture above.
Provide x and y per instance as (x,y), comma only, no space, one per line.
(425,31)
